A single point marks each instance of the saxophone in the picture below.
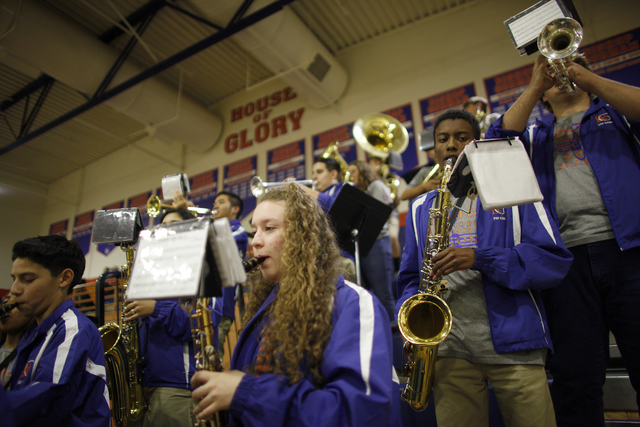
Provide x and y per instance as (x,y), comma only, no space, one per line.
(425,319)
(124,361)
(202,331)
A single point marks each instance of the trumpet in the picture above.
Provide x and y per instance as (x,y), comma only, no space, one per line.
(155,206)
(557,41)
(259,187)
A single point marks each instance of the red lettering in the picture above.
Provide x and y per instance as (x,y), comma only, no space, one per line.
(295,118)
(236,114)
(231,143)
(275,98)
(244,142)
(289,94)
(262,132)
(263,103)
(249,109)
(279,126)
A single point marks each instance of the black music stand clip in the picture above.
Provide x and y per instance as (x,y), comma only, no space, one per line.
(357,218)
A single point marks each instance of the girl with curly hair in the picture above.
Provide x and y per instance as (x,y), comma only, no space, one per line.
(316,349)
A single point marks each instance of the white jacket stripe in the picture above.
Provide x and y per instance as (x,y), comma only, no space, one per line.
(517,230)
(367,316)
(414,207)
(185,361)
(544,218)
(41,351)
(70,331)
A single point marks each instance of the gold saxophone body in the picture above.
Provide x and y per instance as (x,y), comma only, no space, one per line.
(124,361)
(206,355)
(425,319)
(202,331)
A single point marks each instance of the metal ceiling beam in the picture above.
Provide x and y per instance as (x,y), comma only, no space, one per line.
(205,43)
(26,124)
(32,87)
(135,18)
(133,40)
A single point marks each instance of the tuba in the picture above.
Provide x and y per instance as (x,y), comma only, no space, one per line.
(379,135)
(333,152)
(124,361)
(425,319)
(557,41)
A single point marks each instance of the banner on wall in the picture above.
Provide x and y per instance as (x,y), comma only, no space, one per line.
(59,227)
(140,201)
(286,161)
(106,248)
(404,115)
(432,106)
(82,228)
(237,178)
(204,189)
(504,89)
(343,134)
(616,58)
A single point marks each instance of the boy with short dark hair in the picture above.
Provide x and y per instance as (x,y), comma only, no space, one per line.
(496,262)
(59,375)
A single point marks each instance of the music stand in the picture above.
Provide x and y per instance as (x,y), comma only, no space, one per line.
(357,218)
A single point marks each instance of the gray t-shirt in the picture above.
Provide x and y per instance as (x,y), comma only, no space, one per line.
(5,375)
(420,176)
(380,191)
(470,336)
(581,211)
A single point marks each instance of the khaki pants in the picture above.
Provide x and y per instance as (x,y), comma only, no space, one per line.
(223,331)
(168,407)
(461,394)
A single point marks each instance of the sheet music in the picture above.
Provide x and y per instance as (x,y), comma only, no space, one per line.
(527,25)
(502,173)
(168,266)
(173,183)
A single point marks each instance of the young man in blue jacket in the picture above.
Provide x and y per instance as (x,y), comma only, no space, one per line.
(587,161)
(59,374)
(327,173)
(496,263)
(229,205)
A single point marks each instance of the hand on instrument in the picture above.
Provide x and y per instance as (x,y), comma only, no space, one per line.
(452,259)
(542,78)
(179,201)
(583,78)
(430,185)
(213,391)
(139,308)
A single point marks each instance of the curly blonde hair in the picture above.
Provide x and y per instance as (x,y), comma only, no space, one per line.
(299,323)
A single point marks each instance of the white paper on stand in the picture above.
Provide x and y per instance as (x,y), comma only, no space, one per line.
(502,173)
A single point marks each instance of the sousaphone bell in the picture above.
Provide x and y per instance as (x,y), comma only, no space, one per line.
(379,135)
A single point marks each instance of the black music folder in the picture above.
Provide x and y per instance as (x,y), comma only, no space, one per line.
(356,212)
(525,27)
